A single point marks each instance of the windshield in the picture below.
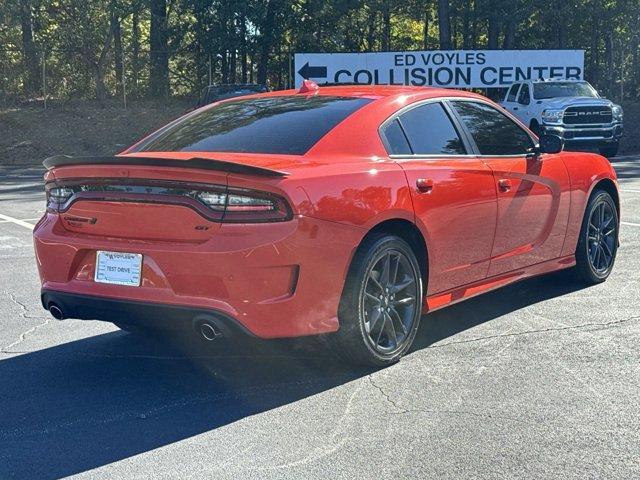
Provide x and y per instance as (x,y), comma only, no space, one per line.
(277,125)
(563,89)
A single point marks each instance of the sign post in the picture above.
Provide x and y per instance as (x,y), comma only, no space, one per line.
(452,68)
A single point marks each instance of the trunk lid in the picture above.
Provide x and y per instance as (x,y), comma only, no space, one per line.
(151,197)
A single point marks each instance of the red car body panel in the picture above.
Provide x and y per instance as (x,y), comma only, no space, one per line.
(485,221)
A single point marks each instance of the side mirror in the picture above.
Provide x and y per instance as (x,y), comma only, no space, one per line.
(550,144)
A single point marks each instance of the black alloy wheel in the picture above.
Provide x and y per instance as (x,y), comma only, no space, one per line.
(381,303)
(389,300)
(598,242)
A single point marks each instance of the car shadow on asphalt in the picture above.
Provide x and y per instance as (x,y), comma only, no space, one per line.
(88,403)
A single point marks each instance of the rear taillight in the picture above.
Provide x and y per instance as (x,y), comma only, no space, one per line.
(244,205)
(228,204)
(57,197)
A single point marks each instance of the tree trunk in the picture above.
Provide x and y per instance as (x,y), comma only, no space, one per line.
(425,29)
(594,60)
(494,30)
(509,34)
(117,49)
(386,26)
(31,64)
(560,16)
(224,67)
(233,64)
(371,30)
(474,26)
(466,26)
(635,66)
(454,23)
(444,24)
(135,45)
(266,40)
(608,53)
(159,55)
(100,64)
(201,57)
(243,46)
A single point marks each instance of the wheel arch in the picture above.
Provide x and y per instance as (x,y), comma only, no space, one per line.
(608,186)
(411,234)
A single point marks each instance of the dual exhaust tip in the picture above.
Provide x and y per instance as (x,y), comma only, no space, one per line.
(204,326)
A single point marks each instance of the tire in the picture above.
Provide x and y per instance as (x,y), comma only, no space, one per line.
(598,242)
(378,326)
(609,151)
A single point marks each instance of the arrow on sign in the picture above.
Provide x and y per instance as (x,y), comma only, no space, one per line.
(312,72)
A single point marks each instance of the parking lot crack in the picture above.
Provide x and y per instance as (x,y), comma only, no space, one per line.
(400,410)
(24,314)
(597,326)
(387,396)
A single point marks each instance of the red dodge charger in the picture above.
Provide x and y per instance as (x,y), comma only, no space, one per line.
(348,211)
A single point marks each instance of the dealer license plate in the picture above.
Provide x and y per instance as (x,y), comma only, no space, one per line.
(119,268)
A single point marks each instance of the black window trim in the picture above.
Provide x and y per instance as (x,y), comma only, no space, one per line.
(455,121)
(450,100)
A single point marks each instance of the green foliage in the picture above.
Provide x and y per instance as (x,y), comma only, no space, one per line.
(244,40)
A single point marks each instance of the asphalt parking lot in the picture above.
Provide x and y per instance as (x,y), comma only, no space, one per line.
(536,380)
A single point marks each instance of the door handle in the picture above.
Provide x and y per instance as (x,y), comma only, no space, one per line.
(504,184)
(515,108)
(424,185)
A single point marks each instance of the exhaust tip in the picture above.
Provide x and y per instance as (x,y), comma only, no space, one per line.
(56,312)
(209,332)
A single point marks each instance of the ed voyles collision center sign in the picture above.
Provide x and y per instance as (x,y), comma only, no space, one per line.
(455,68)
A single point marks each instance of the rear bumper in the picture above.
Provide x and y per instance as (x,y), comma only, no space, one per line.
(273,280)
(128,312)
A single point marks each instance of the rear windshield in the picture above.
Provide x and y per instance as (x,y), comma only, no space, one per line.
(278,125)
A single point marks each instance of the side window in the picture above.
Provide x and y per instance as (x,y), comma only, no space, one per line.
(513,92)
(396,141)
(430,131)
(524,98)
(493,132)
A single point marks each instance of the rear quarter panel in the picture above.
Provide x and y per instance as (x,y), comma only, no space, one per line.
(360,194)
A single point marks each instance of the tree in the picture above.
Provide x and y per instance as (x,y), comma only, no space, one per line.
(265,41)
(117,45)
(32,83)
(91,44)
(444,22)
(159,50)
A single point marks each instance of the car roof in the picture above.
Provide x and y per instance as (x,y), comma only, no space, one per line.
(375,92)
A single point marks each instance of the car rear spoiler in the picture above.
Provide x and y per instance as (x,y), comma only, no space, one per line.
(195,162)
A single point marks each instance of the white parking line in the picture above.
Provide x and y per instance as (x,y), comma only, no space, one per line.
(626,157)
(17,221)
(22,219)
(627,190)
(630,224)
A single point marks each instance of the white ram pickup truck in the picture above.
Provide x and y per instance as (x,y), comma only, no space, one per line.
(572,110)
